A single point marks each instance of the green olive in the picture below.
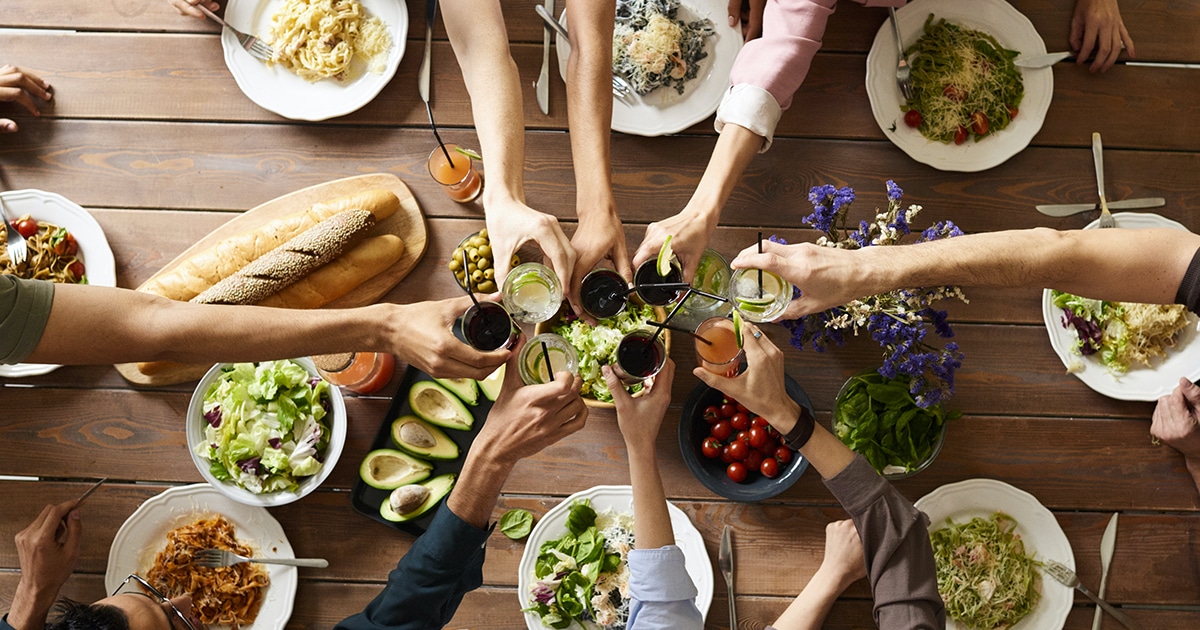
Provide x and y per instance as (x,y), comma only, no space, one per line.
(472,267)
(483,233)
(515,261)
(484,263)
(477,276)
(455,264)
(487,286)
(489,274)
(473,255)
(477,241)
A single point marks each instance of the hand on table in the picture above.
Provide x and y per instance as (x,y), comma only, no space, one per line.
(424,337)
(510,225)
(821,273)
(1096,27)
(844,562)
(640,418)
(46,563)
(689,238)
(1176,421)
(187,7)
(21,87)
(750,14)
(761,388)
(599,236)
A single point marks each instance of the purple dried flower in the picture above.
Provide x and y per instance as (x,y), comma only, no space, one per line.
(893,191)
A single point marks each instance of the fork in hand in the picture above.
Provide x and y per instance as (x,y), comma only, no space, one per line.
(1066,576)
(214,558)
(903,72)
(253,45)
(15,244)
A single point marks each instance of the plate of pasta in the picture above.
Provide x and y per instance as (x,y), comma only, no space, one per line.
(707,53)
(322,71)
(56,216)
(971,144)
(157,540)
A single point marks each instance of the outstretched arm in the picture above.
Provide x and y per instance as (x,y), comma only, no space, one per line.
(842,565)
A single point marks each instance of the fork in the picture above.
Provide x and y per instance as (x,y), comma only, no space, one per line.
(17,250)
(1066,576)
(1106,218)
(620,87)
(903,72)
(214,558)
(253,45)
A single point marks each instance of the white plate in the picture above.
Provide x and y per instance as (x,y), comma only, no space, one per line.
(1036,526)
(277,89)
(620,498)
(94,251)
(995,17)
(1139,383)
(664,111)
(144,534)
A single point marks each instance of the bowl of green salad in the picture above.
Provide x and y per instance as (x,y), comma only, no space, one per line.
(265,433)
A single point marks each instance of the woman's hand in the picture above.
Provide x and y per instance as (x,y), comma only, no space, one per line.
(21,87)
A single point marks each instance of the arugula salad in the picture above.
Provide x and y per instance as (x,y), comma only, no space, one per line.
(583,576)
(597,346)
(265,425)
(1120,335)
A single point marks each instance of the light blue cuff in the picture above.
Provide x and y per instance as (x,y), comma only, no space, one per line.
(659,575)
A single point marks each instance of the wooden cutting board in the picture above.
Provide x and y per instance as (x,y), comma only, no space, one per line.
(407,223)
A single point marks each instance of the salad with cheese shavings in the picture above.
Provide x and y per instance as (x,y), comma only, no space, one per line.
(597,346)
(583,577)
(1121,335)
(652,48)
(984,575)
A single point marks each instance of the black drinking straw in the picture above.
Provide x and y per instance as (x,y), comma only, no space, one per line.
(658,285)
(466,285)
(671,314)
(439,138)
(760,289)
(546,356)
(678,329)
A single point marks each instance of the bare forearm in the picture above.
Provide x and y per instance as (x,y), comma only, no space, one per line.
(810,608)
(736,146)
(589,102)
(30,605)
(824,451)
(477,488)
(651,522)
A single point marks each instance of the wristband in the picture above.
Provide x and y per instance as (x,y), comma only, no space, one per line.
(799,435)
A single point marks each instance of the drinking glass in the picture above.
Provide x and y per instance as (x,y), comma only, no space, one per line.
(721,355)
(603,293)
(532,362)
(458,177)
(755,303)
(712,276)
(640,355)
(532,293)
(647,273)
(487,326)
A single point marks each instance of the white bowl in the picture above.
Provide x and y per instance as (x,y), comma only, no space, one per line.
(195,435)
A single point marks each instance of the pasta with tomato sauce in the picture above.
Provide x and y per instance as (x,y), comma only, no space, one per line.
(52,253)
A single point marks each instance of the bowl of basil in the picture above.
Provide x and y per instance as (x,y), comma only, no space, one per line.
(878,418)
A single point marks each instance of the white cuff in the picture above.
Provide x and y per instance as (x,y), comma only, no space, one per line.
(751,107)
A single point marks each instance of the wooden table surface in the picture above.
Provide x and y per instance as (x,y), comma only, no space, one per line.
(150,133)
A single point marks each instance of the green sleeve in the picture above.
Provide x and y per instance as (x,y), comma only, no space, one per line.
(24,310)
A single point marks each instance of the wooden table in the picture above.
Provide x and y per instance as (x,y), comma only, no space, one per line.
(150,133)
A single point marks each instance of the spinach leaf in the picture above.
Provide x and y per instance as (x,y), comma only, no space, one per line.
(516,524)
(581,517)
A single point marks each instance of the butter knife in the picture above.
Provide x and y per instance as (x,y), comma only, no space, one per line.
(1067,209)
(423,73)
(1041,61)
(1107,543)
(725,561)
(543,82)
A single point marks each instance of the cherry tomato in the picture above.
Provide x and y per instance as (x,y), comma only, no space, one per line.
(760,421)
(753,460)
(711,447)
(783,454)
(67,245)
(726,457)
(912,118)
(960,136)
(979,123)
(953,93)
(758,437)
(27,228)
(739,450)
(711,414)
(740,407)
(742,436)
(1012,112)
(727,411)
(721,430)
(740,421)
(77,270)
(772,432)
(737,472)
(769,468)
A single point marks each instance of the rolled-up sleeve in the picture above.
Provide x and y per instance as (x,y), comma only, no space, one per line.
(662,594)
(24,311)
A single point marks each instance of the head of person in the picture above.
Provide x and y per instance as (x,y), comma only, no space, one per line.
(130,607)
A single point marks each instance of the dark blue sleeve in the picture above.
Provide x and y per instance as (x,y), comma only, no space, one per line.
(426,587)
(4,624)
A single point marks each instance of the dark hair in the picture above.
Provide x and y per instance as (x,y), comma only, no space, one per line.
(73,615)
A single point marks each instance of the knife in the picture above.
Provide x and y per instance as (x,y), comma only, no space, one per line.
(62,525)
(1049,59)
(1107,542)
(1067,209)
(543,82)
(423,73)
(725,561)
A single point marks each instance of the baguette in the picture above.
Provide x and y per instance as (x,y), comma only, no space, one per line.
(195,274)
(291,261)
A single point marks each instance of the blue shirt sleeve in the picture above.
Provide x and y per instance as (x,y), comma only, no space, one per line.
(426,587)
(4,624)
(661,592)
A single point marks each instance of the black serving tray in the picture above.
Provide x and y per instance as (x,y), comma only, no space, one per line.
(367,500)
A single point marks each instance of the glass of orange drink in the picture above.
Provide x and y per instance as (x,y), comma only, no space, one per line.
(716,346)
(457,175)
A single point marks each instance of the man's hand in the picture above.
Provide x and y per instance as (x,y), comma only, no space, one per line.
(761,388)
(689,237)
(1096,27)
(46,563)
(21,87)
(640,418)
(187,7)
(821,273)
(599,236)
(422,335)
(511,225)
(844,562)
(750,14)
(1175,420)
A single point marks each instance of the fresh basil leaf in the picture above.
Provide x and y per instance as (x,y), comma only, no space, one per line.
(516,523)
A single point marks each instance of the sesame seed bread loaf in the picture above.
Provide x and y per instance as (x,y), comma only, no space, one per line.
(346,273)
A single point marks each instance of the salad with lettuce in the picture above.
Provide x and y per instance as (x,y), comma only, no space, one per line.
(265,425)
(1121,335)
(597,346)
(583,576)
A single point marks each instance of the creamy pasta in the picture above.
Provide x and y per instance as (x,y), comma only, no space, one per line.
(319,39)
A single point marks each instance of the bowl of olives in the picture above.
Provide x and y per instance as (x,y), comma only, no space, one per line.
(472,260)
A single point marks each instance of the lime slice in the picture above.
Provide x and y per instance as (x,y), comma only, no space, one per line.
(469,153)
(737,328)
(664,258)
(756,305)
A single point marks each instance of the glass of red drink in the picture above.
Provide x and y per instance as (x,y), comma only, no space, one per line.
(603,293)
(487,326)
(640,355)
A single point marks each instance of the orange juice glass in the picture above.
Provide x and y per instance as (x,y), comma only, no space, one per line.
(459,178)
(721,355)
(359,372)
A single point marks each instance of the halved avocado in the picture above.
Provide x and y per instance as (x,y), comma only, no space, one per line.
(435,404)
(414,435)
(465,388)
(438,488)
(388,469)
(491,384)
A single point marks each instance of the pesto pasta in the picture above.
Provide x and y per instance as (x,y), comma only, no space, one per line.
(984,576)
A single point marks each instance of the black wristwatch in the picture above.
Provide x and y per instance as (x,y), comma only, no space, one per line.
(799,435)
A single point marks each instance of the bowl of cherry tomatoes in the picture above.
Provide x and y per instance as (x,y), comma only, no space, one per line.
(734,452)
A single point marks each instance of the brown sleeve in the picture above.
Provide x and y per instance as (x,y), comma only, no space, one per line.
(1188,293)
